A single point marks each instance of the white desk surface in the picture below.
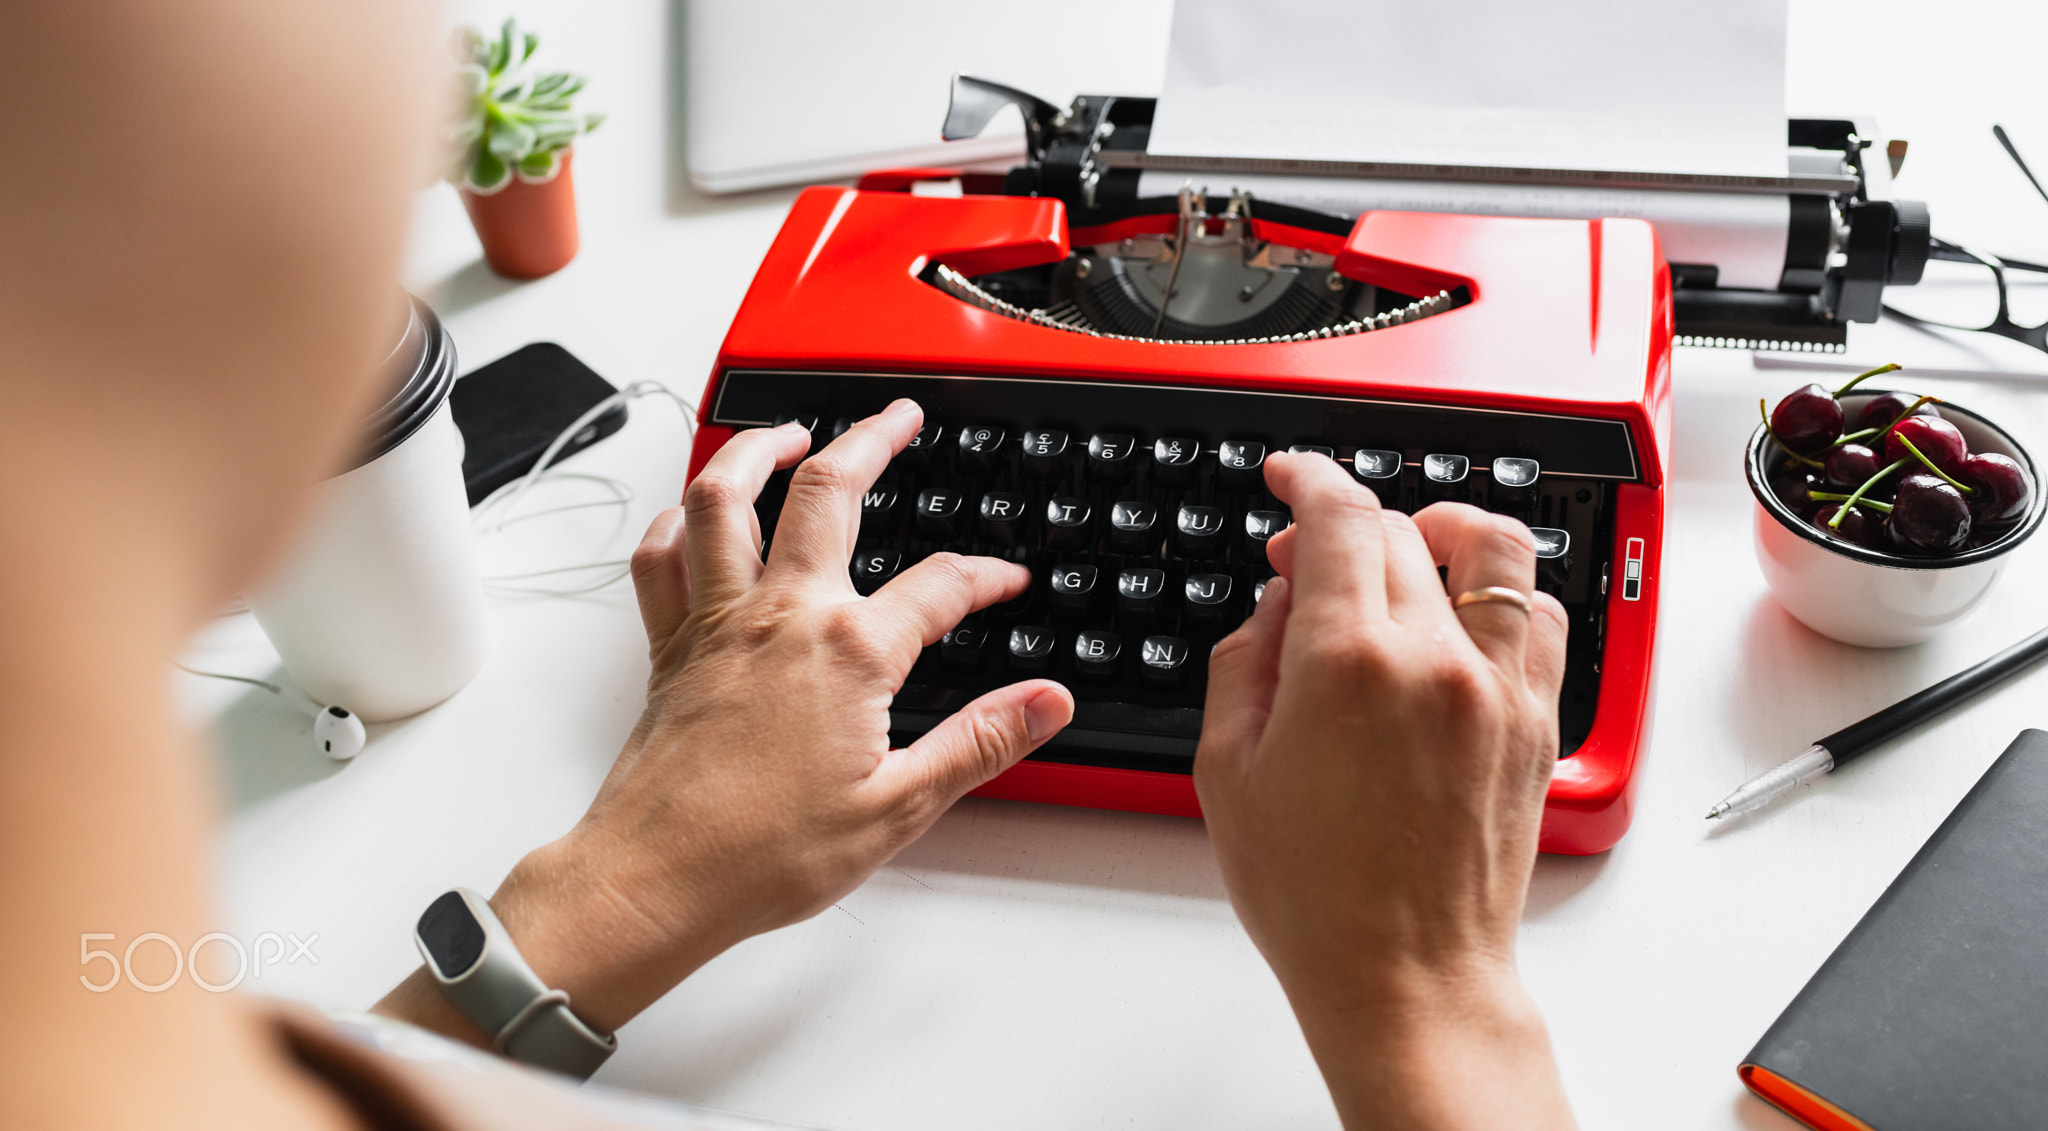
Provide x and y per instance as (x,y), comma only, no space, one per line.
(1027,966)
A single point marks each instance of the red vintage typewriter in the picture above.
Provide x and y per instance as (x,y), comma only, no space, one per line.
(1102,384)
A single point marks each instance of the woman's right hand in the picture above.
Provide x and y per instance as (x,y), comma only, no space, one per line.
(1372,767)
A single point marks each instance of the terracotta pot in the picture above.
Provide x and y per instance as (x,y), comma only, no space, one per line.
(528,228)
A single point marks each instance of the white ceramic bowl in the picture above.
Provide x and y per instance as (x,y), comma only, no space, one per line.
(1867,597)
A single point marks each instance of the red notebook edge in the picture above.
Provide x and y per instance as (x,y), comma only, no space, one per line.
(1794,1100)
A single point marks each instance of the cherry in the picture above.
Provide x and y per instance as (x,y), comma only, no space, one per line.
(1881,411)
(1928,516)
(1791,486)
(2002,488)
(1936,438)
(1850,465)
(1807,420)
(1860,527)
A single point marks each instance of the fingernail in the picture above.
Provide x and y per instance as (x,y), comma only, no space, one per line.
(792,426)
(900,406)
(1047,712)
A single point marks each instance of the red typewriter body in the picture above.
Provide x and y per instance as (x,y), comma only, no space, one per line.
(1559,319)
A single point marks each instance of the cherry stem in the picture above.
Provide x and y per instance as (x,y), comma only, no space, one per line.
(1887,367)
(1967,490)
(1837,497)
(1856,496)
(1911,409)
(1859,434)
(1786,448)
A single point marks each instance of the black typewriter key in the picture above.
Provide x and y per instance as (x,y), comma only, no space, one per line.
(965,647)
(1109,456)
(981,447)
(1199,531)
(1002,517)
(809,421)
(1240,465)
(1069,523)
(1514,484)
(1259,591)
(1163,661)
(917,454)
(1074,587)
(1553,552)
(1096,652)
(880,507)
(841,425)
(1376,463)
(1208,597)
(1030,648)
(1047,453)
(1513,471)
(1138,592)
(1445,469)
(1134,528)
(1173,461)
(1259,528)
(938,513)
(871,568)
(1443,476)
(1323,450)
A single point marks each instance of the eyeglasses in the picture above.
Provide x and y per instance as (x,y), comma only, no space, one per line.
(1999,322)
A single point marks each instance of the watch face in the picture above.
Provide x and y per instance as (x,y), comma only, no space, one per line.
(453,937)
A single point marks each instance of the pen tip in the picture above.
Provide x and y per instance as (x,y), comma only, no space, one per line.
(1713,815)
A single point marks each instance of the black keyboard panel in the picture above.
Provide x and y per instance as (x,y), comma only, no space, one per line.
(1142,514)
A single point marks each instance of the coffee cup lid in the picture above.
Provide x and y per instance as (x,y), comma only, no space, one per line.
(420,371)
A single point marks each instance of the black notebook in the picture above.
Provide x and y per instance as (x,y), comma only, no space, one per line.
(1933,1014)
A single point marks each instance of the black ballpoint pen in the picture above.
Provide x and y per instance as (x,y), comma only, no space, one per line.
(1845,744)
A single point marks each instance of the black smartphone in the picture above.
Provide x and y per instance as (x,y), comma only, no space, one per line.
(510,410)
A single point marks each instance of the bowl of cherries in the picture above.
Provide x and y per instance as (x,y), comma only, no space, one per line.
(1884,516)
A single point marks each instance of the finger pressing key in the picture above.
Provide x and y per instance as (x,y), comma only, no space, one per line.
(1483,553)
(928,599)
(724,548)
(1336,553)
(821,517)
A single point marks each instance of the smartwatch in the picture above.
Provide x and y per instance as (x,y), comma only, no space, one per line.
(482,974)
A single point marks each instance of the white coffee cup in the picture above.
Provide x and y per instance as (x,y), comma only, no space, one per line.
(380,606)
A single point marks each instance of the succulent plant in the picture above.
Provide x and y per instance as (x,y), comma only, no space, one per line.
(512,122)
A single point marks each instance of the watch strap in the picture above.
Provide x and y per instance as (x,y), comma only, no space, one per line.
(527,1020)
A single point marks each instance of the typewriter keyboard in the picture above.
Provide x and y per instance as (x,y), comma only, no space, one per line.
(1142,514)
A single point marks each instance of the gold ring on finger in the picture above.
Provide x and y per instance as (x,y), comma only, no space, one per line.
(1494,595)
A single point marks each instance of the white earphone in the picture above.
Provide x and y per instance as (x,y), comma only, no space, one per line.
(336,730)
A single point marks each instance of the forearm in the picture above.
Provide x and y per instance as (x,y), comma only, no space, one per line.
(1444,1056)
(574,924)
